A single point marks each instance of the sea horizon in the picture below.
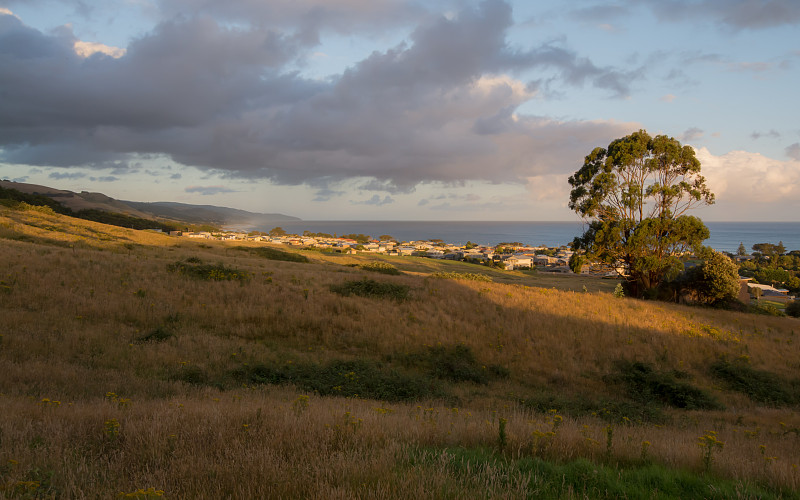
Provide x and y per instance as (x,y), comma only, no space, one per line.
(725,236)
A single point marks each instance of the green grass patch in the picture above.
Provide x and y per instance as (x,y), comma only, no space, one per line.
(360,378)
(759,385)
(481,473)
(645,384)
(372,288)
(274,254)
(461,276)
(208,272)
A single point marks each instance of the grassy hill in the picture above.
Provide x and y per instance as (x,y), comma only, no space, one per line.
(141,364)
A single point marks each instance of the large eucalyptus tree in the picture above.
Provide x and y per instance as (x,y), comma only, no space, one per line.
(634,196)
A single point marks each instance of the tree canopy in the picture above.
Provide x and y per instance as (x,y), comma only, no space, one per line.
(635,195)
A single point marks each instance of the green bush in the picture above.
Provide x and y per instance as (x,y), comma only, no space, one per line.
(793,308)
(380,267)
(274,254)
(208,272)
(644,384)
(371,288)
(766,310)
(360,378)
(581,405)
(453,363)
(758,385)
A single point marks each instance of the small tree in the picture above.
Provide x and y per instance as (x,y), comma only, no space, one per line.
(793,308)
(715,281)
(741,251)
(277,231)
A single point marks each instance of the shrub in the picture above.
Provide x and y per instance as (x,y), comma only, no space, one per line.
(380,267)
(758,385)
(714,281)
(274,254)
(645,384)
(160,334)
(371,288)
(360,378)
(765,309)
(455,363)
(581,405)
(208,272)
(793,308)
(461,276)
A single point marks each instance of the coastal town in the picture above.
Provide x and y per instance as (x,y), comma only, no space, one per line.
(509,256)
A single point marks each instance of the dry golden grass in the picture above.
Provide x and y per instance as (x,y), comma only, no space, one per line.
(75,296)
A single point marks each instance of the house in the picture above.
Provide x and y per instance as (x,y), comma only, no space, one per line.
(518,262)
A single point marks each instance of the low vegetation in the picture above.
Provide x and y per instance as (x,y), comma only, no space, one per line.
(129,370)
(371,288)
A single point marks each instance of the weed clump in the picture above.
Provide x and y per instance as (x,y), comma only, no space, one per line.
(759,385)
(160,334)
(372,288)
(646,384)
(209,272)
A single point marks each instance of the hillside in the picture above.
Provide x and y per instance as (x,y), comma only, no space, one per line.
(180,212)
(137,363)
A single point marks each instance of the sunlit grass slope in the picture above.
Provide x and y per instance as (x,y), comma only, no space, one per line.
(137,363)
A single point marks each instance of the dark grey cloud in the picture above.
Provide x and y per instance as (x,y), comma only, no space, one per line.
(734,14)
(793,151)
(105,178)
(730,14)
(691,134)
(310,17)
(67,175)
(209,190)
(225,99)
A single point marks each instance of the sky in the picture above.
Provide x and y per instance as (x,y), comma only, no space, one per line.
(396,109)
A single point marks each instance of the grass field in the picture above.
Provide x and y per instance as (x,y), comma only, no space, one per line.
(138,364)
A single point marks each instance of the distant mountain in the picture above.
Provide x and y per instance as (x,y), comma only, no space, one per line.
(181,212)
(208,214)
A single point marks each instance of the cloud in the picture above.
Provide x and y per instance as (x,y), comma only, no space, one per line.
(88,49)
(667,98)
(209,190)
(66,175)
(226,98)
(793,151)
(376,200)
(105,178)
(733,14)
(773,134)
(742,178)
(691,134)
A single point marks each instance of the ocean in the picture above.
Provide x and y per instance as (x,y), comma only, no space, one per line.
(725,236)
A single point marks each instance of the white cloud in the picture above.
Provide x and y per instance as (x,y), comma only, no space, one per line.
(88,49)
(7,12)
(743,178)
